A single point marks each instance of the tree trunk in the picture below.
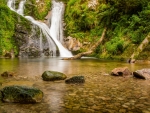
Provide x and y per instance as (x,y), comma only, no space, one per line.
(141,47)
(78,56)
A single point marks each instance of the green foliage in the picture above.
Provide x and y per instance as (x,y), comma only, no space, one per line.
(82,22)
(8,22)
(38,10)
(7,25)
(115,46)
(123,18)
(3,1)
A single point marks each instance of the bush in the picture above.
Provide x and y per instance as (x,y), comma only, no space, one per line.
(115,46)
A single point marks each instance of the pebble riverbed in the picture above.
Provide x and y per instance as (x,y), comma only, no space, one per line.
(101,93)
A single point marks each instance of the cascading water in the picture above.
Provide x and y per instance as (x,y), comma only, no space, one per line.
(45,30)
(54,33)
(56,29)
(21,6)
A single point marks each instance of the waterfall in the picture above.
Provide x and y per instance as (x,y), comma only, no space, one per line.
(21,7)
(54,34)
(56,29)
(45,30)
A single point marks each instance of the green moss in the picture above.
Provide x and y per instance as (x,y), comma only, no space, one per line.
(38,10)
(9,21)
(22,94)
(53,75)
(7,26)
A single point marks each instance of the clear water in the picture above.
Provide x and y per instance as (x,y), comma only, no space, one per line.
(101,93)
(36,66)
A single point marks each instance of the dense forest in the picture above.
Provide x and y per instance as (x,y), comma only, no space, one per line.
(127,23)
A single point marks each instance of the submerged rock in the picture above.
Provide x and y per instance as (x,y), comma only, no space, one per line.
(75,79)
(21,94)
(53,75)
(142,74)
(121,71)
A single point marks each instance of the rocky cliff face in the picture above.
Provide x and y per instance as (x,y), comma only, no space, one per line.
(27,37)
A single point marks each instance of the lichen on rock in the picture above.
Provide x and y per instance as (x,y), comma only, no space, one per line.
(53,75)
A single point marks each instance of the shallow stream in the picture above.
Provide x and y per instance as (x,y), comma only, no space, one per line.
(101,92)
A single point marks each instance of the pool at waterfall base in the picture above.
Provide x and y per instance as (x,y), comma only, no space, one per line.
(101,92)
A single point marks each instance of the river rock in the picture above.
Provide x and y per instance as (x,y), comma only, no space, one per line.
(75,79)
(142,74)
(53,75)
(7,74)
(9,55)
(21,94)
(121,71)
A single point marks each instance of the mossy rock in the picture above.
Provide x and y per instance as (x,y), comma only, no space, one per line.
(53,75)
(75,79)
(21,94)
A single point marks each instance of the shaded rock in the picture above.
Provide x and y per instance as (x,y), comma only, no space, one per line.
(142,74)
(53,75)
(9,55)
(75,79)
(130,60)
(121,71)
(21,94)
(7,74)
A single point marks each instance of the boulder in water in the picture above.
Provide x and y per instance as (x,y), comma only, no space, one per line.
(53,75)
(75,79)
(142,74)
(121,71)
(7,74)
(21,94)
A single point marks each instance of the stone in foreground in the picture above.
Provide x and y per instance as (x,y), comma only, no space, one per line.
(75,79)
(121,71)
(21,94)
(142,74)
(53,75)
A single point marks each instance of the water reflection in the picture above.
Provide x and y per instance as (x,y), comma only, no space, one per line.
(36,66)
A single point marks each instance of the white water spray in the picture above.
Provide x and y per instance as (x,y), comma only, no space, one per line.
(11,4)
(56,29)
(20,10)
(45,31)
(55,33)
